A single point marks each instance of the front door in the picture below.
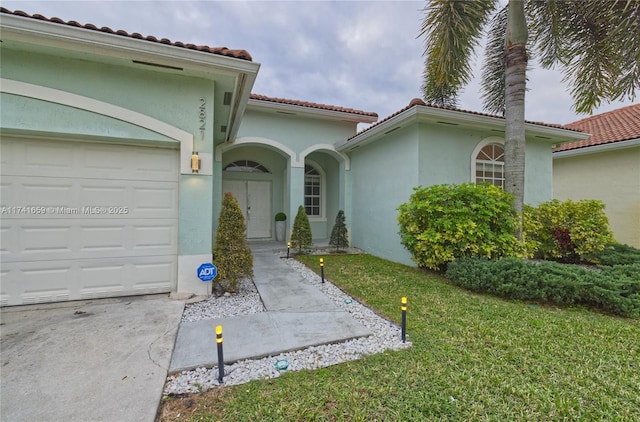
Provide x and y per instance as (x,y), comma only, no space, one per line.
(254,198)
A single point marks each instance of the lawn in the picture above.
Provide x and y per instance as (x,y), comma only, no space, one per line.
(474,357)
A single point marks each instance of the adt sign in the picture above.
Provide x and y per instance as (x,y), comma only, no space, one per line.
(207,272)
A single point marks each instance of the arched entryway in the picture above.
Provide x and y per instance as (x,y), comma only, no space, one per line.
(255,175)
(254,196)
(324,191)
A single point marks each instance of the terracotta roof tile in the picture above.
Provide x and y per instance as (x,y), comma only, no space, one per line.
(313,105)
(418,102)
(222,51)
(617,125)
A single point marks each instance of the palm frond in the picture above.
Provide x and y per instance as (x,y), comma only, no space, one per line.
(452,30)
(596,44)
(493,69)
(547,22)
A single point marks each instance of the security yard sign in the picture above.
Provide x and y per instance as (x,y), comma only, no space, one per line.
(207,272)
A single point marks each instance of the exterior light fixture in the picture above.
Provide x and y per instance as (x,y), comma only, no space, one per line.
(195,162)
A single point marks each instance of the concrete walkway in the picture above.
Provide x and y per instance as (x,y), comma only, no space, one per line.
(298,315)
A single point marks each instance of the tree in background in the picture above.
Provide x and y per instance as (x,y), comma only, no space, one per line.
(595,44)
(339,237)
(231,254)
(301,233)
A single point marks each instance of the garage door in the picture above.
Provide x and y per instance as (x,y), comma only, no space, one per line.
(84,220)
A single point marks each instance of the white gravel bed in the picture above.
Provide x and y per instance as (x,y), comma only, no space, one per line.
(245,301)
(386,336)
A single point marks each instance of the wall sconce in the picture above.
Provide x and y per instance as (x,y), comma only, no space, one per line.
(195,162)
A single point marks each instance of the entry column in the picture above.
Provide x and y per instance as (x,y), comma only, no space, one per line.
(295,178)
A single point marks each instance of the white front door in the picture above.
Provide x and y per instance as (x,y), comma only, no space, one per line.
(254,198)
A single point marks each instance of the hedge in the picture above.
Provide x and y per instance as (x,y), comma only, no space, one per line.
(615,289)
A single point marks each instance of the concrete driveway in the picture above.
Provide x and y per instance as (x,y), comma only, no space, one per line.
(98,360)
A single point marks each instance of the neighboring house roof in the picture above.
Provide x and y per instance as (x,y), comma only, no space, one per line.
(313,105)
(223,51)
(622,124)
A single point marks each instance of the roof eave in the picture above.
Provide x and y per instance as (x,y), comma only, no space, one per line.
(293,109)
(457,118)
(33,31)
(44,33)
(376,132)
(593,149)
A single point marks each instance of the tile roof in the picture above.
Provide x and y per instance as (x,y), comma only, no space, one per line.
(418,102)
(617,125)
(223,51)
(313,105)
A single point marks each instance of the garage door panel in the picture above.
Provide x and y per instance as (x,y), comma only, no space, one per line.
(84,220)
(52,158)
(44,283)
(41,240)
(46,239)
(60,198)
(55,281)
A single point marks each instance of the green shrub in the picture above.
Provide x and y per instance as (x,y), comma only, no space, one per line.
(566,231)
(301,237)
(619,254)
(613,289)
(339,235)
(280,216)
(231,254)
(444,222)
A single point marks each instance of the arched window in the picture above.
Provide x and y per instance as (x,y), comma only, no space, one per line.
(312,191)
(489,165)
(246,166)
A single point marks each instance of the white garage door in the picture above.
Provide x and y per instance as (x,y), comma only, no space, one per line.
(84,220)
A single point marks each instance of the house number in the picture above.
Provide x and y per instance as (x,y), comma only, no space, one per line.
(202,114)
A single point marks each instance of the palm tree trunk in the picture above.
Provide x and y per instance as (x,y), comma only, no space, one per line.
(515,81)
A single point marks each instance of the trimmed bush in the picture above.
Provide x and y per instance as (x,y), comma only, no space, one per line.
(619,254)
(566,231)
(301,237)
(444,222)
(231,254)
(281,216)
(614,289)
(339,235)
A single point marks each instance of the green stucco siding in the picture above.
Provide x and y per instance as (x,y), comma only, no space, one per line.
(538,185)
(383,175)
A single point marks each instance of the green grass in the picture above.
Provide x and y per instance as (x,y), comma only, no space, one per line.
(474,357)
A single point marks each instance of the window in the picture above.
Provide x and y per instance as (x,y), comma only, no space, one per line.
(312,191)
(246,166)
(489,165)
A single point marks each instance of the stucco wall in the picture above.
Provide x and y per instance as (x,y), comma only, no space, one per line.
(167,97)
(445,154)
(538,173)
(612,177)
(383,175)
(297,132)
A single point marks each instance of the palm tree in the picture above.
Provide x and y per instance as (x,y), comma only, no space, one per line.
(595,43)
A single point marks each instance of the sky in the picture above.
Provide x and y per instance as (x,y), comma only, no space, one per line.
(365,55)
